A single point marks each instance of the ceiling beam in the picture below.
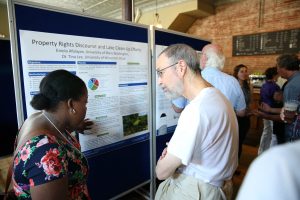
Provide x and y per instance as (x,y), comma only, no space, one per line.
(185,20)
(127,10)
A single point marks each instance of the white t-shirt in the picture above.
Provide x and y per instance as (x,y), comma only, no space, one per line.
(206,138)
(274,175)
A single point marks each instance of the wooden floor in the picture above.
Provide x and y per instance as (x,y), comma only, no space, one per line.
(249,153)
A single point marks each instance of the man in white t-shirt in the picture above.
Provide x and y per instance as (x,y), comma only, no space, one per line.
(203,152)
(273,175)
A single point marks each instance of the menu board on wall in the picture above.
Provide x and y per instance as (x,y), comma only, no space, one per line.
(279,42)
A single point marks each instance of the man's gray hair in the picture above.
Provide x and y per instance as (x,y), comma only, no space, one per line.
(214,59)
(184,52)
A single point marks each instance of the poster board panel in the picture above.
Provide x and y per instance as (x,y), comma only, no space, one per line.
(114,69)
(103,53)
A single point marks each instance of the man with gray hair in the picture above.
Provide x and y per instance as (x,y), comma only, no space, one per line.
(211,63)
(202,154)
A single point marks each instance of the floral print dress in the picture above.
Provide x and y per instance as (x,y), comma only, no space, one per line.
(45,158)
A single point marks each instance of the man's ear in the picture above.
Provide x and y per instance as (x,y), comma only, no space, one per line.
(182,68)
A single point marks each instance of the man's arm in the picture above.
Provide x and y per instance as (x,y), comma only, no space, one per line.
(265,107)
(240,106)
(241,113)
(179,104)
(177,109)
(267,116)
(166,165)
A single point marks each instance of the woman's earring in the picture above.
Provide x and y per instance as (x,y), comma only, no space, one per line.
(73,111)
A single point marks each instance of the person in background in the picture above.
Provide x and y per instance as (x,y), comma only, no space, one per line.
(288,68)
(48,163)
(201,156)
(273,175)
(211,63)
(270,94)
(281,82)
(240,72)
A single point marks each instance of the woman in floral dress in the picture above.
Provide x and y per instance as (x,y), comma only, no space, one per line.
(48,163)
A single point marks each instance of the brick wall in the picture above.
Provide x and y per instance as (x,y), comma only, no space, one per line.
(241,18)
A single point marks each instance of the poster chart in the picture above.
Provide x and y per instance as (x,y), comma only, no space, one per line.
(115,73)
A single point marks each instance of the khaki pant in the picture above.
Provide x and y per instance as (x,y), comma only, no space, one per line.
(182,187)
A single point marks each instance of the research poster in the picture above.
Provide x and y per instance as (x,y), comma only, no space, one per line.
(165,115)
(115,73)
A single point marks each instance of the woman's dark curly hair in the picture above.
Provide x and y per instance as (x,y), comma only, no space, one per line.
(57,86)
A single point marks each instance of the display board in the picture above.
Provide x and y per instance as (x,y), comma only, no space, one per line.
(114,71)
(8,117)
(278,42)
(166,117)
(112,58)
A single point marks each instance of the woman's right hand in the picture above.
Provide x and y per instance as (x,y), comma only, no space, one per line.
(86,124)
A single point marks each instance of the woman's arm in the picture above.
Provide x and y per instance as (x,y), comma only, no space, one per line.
(267,116)
(54,190)
(266,108)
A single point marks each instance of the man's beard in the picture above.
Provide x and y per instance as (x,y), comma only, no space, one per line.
(201,66)
(176,92)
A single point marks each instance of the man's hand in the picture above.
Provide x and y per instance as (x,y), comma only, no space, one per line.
(265,107)
(164,153)
(258,113)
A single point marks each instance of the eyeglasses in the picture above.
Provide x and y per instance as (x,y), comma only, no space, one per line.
(160,71)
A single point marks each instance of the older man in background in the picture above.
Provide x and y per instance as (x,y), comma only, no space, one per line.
(211,63)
